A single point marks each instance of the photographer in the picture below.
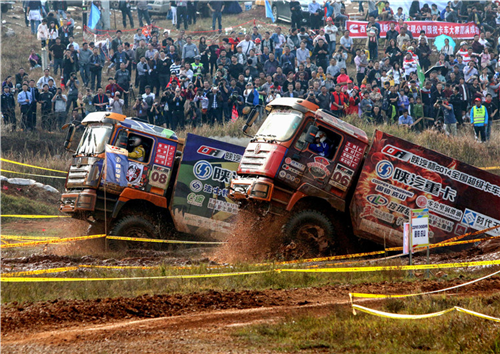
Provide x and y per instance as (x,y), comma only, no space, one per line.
(176,105)
(202,100)
(224,92)
(88,102)
(59,102)
(272,96)
(116,103)
(156,116)
(450,122)
(236,102)
(72,85)
(46,102)
(141,109)
(167,95)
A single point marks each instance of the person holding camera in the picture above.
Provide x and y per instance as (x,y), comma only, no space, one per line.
(72,85)
(141,109)
(176,105)
(155,115)
(46,102)
(59,101)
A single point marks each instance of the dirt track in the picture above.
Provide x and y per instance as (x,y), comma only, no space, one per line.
(180,323)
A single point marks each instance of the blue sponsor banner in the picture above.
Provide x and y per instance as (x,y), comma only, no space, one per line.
(116,166)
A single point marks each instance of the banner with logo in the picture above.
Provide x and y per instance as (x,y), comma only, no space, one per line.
(357,29)
(116,166)
(399,176)
(201,205)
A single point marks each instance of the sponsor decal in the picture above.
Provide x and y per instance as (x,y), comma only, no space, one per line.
(351,155)
(440,223)
(421,201)
(195,199)
(478,221)
(290,169)
(460,229)
(217,191)
(218,153)
(295,164)
(203,170)
(377,199)
(341,177)
(422,184)
(444,210)
(165,154)
(393,191)
(433,166)
(221,205)
(399,208)
(379,214)
(282,174)
(384,169)
(196,186)
(318,169)
(134,172)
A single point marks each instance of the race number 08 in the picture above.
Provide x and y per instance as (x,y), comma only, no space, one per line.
(159,178)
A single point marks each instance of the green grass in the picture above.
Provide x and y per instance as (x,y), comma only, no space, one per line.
(42,291)
(13,205)
(343,332)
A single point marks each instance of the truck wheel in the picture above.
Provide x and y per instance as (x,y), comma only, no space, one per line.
(134,226)
(308,233)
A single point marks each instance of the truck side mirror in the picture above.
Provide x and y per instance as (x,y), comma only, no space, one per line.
(69,135)
(311,134)
(253,114)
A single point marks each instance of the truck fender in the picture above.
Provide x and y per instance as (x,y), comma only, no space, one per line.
(308,190)
(134,194)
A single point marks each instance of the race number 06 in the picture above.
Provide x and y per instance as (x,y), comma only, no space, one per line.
(341,178)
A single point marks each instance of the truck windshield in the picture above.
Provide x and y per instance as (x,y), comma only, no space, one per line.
(94,139)
(280,124)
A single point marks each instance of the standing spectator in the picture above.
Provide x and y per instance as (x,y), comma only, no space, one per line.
(450,122)
(125,8)
(44,79)
(216,7)
(24,99)
(68,66)
(43,33)
(321,54)
(142,74)
(315,13)
(215,106)
(57,50)
(119,57)
(123,78)
(492,112)
(173,10)
(337,13)
(361,64)
(176,106)
(116,42)
(116,104)
(191,11)
(72,85)
(189,51)
(279,41)
(142,12)
(8,107)
(46,102)
(35,97)
(59,102)
(479,118)
(96,64)
(331,32)
(296,11)
(182,13)
(113,87)
(100,101)
(287,61)
(34,14)
(87,101)
(84,63)
(346,42)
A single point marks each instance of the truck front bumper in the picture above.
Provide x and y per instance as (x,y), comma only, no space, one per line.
(83,200)
(257,188)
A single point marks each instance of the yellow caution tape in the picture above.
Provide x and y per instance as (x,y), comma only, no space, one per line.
(123,238)
(215,275)
(28,165)
(14,237)
(31,174)
(40,271)
(59,240)
(35,216)
(401,267)
(117,267)
(490,168)
(419,317)
(380,296)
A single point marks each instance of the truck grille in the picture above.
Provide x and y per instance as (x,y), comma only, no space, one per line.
(77,176)
(254,161)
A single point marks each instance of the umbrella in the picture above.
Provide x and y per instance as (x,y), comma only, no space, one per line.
(439,41)
(443,69)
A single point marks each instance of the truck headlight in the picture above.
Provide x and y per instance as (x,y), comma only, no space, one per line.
(260,190)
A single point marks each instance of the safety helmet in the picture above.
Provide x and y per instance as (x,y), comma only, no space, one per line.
(134,141)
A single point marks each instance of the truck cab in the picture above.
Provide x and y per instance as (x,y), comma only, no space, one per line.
(90,196)
(303,163)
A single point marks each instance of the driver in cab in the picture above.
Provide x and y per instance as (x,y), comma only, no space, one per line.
(320,145)
(138,153)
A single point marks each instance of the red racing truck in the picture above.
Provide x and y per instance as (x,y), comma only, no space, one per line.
(317,174)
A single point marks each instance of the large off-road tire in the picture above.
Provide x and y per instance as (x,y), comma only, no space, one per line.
(308,233)
(134,226)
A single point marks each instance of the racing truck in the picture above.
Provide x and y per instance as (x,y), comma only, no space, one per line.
(177,184)
(320,177)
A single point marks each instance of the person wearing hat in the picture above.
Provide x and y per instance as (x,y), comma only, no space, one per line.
(331,34)
(479,118)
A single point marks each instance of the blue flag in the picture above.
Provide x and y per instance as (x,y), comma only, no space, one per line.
(95,15)
(116,165)
(269,11)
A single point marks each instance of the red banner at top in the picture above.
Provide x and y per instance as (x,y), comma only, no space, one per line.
(432,29)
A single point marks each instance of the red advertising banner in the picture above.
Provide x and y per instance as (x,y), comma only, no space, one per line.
(398,176)
(432,29)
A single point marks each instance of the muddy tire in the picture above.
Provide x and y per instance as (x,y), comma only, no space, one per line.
(308,233)
(134,226)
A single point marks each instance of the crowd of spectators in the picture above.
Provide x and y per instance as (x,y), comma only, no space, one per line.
(177,80)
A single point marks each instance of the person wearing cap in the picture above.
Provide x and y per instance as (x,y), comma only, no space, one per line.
(331,33)
(479,118)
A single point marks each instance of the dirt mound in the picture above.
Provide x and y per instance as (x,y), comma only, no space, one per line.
(34,192)
(17,317)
